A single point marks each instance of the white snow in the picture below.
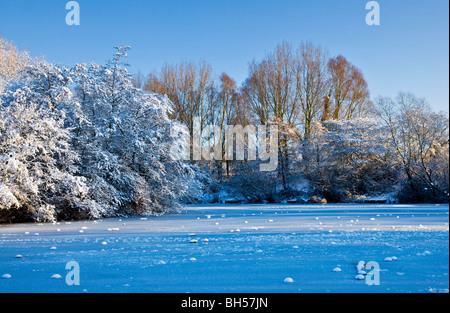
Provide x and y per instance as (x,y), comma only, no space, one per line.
(337,269)
(360,265)
(251,260)
(359,277)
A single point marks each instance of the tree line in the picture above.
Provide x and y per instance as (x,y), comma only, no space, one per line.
(92,141)
(336,143)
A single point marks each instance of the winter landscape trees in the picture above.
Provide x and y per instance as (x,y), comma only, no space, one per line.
(418,138)
(82,142)
(93,141)
(335,143)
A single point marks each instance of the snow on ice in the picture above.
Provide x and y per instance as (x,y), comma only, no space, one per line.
(156,254)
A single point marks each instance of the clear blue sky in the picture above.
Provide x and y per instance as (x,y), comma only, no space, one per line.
(409,51)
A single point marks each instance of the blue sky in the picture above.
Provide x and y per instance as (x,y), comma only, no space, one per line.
(409,51)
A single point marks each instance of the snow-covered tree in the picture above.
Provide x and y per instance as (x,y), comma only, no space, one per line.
(123,137)
(83,142)
(418,138)
(348,159)
(36,163)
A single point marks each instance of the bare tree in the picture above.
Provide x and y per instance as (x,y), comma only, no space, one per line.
(312,82)
(272,95)
(348,90)
(419,138)
(11,62)
(271,88)
(187,85)
(139,80)
(226,110)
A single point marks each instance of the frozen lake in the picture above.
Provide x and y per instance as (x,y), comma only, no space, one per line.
(235,248)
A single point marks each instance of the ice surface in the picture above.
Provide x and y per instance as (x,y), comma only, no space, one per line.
(154,254)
